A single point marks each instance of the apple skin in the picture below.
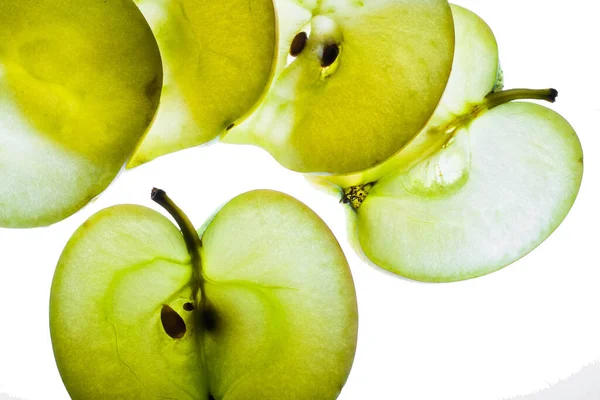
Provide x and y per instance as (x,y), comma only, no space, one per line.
(79,85)
(283,316)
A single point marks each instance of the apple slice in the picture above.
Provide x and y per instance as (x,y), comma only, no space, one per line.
(218,58)
(262,308)
(495,193)
(475,72)
(363,80)
(79,85)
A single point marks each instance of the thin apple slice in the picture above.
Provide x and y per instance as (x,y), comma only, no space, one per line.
(263,308)
(363,84)
(218,58)
(474,74)
(497,192)
(79,85)
(285,297)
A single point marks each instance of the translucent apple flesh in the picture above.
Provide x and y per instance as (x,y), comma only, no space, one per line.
(499,190)
(367,80)
(218,58)
(79,85)
(262,308)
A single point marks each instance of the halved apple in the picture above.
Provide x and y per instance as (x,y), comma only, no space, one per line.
(218,58)
(79,85)
(262,307)
(362,80)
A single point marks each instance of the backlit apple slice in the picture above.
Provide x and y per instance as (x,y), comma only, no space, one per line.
(218,57)
(363,80)
(79,85)
(495,193)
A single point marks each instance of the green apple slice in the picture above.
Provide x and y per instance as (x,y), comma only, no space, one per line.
(474,74)
(503,185)
(262,308)
(364,82)
(218,58)
(79,85)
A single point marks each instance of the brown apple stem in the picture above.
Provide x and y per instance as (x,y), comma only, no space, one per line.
(496,99)
(190,236)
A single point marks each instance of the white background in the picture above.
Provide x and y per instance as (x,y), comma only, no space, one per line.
(514,332)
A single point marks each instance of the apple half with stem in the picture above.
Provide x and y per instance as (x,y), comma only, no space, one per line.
(362,79)
(258,305)
(79,85)
(218,58)
(480,188)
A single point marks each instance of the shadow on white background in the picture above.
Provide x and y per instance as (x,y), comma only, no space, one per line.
(4,396)
(583,385)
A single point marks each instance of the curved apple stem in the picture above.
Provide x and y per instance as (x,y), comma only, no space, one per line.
(496,99)
(190,236)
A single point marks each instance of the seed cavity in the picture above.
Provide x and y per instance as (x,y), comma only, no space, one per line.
(330,54)
(298,44)
(172,322)
(188,306)
(230,127)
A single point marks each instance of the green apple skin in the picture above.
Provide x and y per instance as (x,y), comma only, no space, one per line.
(283,320)
(218,57)
(475,72)
(499,190)
(355,111)
(79,86)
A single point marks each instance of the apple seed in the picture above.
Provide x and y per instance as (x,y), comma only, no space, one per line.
(330,54)
(298,44)
(172,322)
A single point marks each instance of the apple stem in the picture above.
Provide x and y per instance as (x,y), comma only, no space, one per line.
(190,236)
(496,99)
